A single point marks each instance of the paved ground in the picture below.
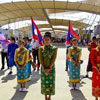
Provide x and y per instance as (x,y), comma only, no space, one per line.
(9,87)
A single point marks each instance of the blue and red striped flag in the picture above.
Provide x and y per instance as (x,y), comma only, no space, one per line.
(3,40)
(36,33)
(71,33)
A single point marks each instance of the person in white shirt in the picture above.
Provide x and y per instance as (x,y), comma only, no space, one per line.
(4,49)
(35,48)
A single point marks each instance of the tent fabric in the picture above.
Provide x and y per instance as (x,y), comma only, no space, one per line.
(40,10)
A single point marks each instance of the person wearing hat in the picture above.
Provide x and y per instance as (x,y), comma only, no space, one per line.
(47,57)
(74,54)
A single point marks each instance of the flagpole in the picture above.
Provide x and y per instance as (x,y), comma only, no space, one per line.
(36,33)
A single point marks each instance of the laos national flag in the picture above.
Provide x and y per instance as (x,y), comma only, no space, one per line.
(3,40)
(71,33)
(36,33)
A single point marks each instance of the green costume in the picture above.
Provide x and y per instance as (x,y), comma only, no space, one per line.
(47,56)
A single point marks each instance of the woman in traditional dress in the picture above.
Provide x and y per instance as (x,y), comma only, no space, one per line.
(47,57)
(95,60)
(90,47)
(21,60)
(28,46)
(74,54)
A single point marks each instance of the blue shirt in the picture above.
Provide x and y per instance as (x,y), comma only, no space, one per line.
(11,49)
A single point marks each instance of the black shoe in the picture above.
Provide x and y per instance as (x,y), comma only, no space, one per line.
(2,68)
(10,73)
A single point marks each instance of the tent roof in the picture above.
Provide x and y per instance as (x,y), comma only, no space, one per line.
(41,9)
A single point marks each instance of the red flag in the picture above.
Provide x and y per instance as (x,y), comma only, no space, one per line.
(73,32)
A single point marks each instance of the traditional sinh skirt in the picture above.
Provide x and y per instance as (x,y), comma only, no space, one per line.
(48,82)
(29,68)
(74,73)
(96,82)
(22,75)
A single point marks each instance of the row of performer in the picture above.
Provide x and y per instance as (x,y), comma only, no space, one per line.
(19,55)
(74,61)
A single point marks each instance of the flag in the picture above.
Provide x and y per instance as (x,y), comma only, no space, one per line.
(36,33)
(3,40)
(7,41)
(71,33)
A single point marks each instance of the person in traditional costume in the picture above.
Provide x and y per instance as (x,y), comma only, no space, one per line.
(10,54)
(47,57)
(29,47)
(21,60)
(90,46)
(67,58)
(95,60)
(74,53)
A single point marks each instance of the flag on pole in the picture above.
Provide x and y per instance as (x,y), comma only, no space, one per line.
(71,33)
(3,40)
(36,33)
